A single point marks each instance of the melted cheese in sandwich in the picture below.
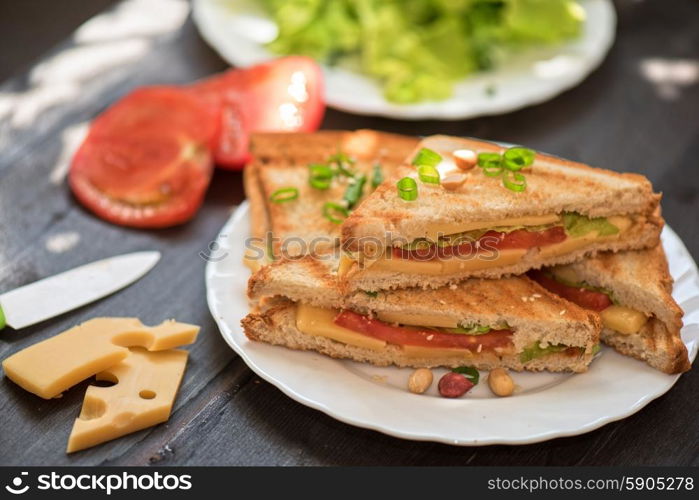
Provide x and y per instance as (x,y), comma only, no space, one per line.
(437,230)
(621,319)
(454,265)
(320,322)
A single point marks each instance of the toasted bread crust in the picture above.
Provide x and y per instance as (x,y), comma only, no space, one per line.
(654,344)
(281,160)
(259,218)
(639,279)
(277,326)
(597,192)
(307,278)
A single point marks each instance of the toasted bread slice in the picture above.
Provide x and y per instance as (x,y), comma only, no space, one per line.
(554,187)
(641,281)
(536,317)
(281,161)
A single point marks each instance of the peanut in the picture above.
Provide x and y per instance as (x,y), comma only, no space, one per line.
(454,385)
(420,380)
(453,181)
(465,159)
(500,382)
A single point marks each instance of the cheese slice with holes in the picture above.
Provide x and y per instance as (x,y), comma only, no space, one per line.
(52,366)
(146,385)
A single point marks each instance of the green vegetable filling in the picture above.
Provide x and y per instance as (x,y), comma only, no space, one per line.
(418,49)
(535,351)
(583,284)
(577,225)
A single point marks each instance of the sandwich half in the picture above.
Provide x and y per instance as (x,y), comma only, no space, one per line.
(480,228)
(631,291)
(288,212)
(512,322)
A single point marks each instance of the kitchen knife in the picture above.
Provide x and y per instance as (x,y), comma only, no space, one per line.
(66,291)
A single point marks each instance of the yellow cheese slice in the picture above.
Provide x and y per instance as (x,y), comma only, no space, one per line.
(566,274)
(415,351)
(344,266)
(145,390)
(251,262)
(318,321)
(50,367)
(623,319)
(571,244)
(417,319)
(454,265)
(444,229)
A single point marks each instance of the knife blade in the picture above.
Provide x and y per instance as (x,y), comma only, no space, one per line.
(69,290)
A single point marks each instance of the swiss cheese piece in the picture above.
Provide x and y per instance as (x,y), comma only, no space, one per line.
(417,319)
(623,319)
(52,366)
(437,230)
(318,321)
(146,385)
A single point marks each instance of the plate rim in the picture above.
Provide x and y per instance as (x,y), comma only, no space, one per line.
(595,423)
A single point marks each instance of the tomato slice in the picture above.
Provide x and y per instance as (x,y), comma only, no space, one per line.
(284,95)
(491,240)
(587,299)
(421,336)
(146,160)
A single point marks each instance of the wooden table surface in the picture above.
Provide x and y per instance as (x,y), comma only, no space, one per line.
(639,112)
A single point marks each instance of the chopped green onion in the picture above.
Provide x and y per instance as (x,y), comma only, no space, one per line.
(354,190)
(407,189)
(320,175)
(377,177)
(331,211)
(343,162)
(514,181)
(372,294)
(489,160)
(428,174)
(284,195)
(427,157)
(469,372)
(492,171)
(517,158)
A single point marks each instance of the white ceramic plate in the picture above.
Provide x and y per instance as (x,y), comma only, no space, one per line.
(545,406)
(239,29)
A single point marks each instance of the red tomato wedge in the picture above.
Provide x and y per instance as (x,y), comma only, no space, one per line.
(491,240)
(421,337)
(284,95)
(587,299)
(146,159)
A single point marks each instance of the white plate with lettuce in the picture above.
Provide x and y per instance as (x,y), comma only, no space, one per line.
(421,59)
(544,406)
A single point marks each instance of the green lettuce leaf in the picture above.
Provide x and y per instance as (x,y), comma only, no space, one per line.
(418,49)
(577,225)
(536,351)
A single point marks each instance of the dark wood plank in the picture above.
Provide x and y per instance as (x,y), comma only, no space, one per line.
(225,414)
